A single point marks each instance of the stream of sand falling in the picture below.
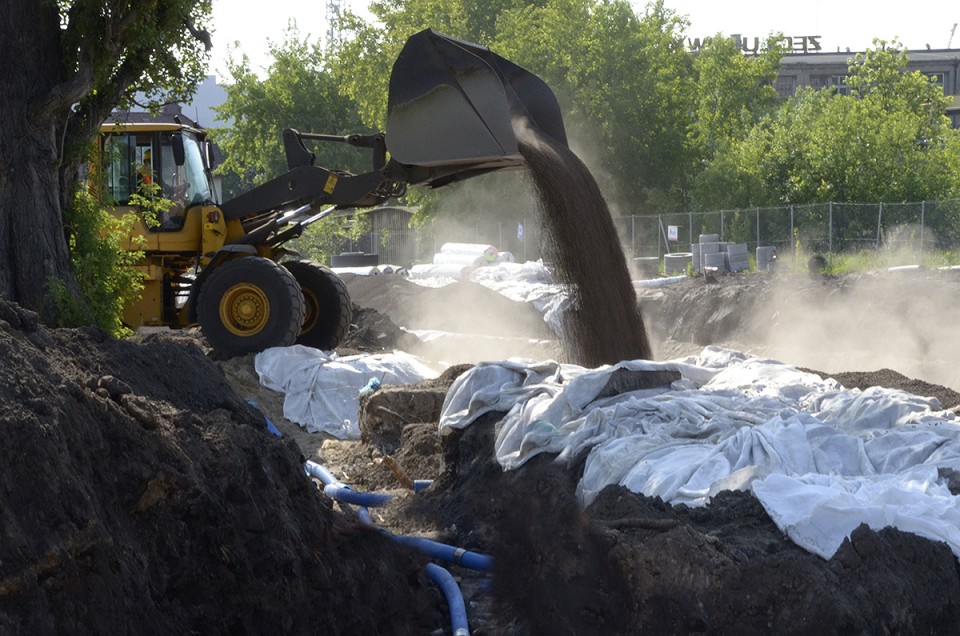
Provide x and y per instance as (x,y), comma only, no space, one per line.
(605,325)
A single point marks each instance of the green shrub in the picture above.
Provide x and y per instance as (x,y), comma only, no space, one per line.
(105,277)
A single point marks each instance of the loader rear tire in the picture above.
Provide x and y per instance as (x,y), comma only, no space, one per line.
(250,304)
(327,304)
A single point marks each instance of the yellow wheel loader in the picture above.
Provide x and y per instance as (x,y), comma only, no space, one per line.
(452,106)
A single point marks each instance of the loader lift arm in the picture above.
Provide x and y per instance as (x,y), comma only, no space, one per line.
(451,113)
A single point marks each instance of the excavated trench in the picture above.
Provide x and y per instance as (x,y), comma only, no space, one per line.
(137,501)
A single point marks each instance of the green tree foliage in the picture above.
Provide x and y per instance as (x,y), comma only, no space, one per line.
(733,91)
(105,274)
(299,91)
(623,82)
(68,64)
(886,139)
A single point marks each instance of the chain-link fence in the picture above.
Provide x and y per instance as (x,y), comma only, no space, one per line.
(912,230)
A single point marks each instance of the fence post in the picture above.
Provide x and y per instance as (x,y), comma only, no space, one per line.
(690,229)
(830,233)
(659,223)
(793,242)
(758,226)
(879,220)
(633,235)
(923,210)
(722,220)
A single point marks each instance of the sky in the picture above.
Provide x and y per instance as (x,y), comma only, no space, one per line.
(841,24)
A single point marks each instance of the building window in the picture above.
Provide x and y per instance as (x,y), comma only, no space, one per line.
(936,78)
(839,82)
(819,81)
(786,85)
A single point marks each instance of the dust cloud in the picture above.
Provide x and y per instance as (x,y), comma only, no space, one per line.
(906,322)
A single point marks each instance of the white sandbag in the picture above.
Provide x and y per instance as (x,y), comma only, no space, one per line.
(321,389)
(359,271)
(447,271)
(660,282)
(464,260)
(487,252)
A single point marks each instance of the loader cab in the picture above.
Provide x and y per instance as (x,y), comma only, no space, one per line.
(168,160)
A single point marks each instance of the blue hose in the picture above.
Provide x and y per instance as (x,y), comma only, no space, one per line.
(335,489)
(450,589)
(448,553)
(344,493)
(270,426)
(316,470)
(435,549)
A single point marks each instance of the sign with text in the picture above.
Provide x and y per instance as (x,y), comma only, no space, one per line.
(793,43)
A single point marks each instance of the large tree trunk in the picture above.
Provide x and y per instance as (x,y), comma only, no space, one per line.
(33,116)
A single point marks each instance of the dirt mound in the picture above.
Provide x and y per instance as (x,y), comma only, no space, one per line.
(631,564)
(460,307)
(142,496)
(372,332)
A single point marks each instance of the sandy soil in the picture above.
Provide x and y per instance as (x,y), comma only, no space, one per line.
(142,494)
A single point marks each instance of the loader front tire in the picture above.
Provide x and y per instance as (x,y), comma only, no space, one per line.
(327,303)
(250,304)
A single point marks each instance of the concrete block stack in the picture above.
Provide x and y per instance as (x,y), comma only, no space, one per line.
(737,258)
(720,256)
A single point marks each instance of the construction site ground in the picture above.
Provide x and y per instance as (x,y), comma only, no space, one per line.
(142,493)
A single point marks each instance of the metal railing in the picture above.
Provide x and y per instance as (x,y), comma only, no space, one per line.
(911,230)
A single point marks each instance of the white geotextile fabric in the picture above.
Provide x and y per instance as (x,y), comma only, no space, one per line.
(822,459)
(321,389)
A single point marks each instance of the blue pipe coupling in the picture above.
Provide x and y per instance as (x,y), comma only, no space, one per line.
(335,489)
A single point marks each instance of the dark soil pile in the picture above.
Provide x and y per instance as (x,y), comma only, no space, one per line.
(372,331)
(630,564)
(141,496)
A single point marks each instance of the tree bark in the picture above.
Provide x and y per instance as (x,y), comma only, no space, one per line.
(34,114)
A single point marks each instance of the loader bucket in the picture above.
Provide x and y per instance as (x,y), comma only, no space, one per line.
(453,104)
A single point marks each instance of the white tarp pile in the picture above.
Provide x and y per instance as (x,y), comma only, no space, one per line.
(371,270)
(321,389)
(456,261)
(822,459)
